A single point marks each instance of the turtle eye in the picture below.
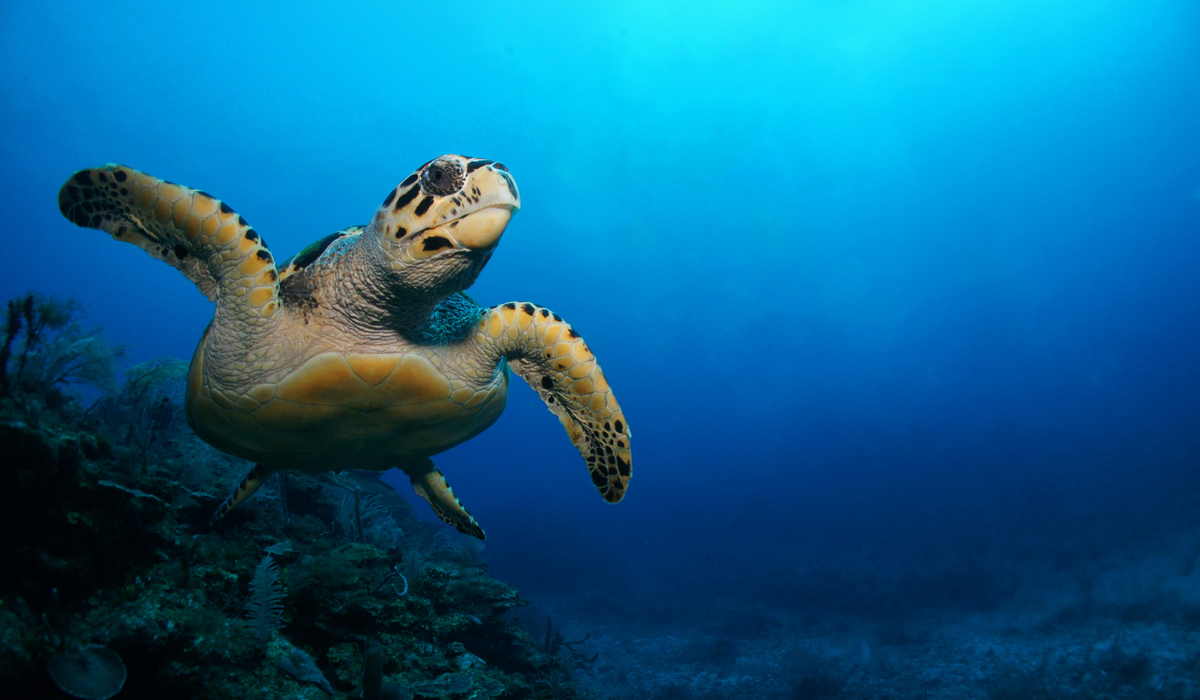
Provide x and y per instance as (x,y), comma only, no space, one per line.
(442,177)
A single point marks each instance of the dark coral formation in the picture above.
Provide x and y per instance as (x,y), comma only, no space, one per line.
(107,547)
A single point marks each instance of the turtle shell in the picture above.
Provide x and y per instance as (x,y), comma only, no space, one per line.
(340,410)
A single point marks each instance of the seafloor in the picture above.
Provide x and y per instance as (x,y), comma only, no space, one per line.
(984,657)
(113,583)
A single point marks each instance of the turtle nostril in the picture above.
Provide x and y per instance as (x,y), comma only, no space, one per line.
(500,166)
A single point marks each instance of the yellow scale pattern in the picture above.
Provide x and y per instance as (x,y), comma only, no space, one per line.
(190,230)
(558,364)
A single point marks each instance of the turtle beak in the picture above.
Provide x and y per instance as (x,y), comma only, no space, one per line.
(480,231)
(492,194)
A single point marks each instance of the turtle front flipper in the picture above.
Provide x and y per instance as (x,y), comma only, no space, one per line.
(429,484)
(188,229)
(549,355)
(253,482)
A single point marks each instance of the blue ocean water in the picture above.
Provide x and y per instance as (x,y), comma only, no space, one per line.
(902,299)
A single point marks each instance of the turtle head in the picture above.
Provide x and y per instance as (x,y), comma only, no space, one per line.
(439,227)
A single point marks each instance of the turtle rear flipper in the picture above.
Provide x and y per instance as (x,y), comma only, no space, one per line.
(553,359)
(188,229)
(245,489)
(429,484)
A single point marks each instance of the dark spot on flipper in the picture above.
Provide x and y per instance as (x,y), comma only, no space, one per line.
(263,255)
(401,232)
(547,382)
(100,175)
(510,306)
(571,332)
(82,177)
(120,175)
(388,202)
(622,466)
(180,251)
(619,426)
(557,318)
(251,235)
(597,478)
(527,308)
(424,205)
(545,313)
(225,208)
(403,200)
(436,243)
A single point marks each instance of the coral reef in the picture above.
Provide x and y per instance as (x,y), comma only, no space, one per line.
(45,352)
(324,586)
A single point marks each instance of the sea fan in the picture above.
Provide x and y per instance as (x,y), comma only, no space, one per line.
(264,609)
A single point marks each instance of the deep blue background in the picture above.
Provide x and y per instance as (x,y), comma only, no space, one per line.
(886,279)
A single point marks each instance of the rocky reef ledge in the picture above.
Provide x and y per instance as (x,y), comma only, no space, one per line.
(112,582)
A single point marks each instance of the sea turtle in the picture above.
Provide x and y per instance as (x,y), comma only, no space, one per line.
(361,351)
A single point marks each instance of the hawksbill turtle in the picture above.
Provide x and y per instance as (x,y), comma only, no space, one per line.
(362,351)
